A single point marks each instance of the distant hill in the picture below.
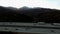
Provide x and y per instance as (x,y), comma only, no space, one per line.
(43,14)
(12,15)
(26,14)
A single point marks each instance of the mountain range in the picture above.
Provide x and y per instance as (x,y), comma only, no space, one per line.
(26,14)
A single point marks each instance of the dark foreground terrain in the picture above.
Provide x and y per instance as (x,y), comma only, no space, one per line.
(10,14)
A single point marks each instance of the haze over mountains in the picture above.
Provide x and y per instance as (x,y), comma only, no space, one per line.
(26,14)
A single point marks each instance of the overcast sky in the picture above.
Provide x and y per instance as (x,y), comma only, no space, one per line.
(54,4)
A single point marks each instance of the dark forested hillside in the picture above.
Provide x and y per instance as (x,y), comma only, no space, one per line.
(43,15)
(10,14)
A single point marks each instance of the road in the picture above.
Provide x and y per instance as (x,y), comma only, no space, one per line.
(30,27)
